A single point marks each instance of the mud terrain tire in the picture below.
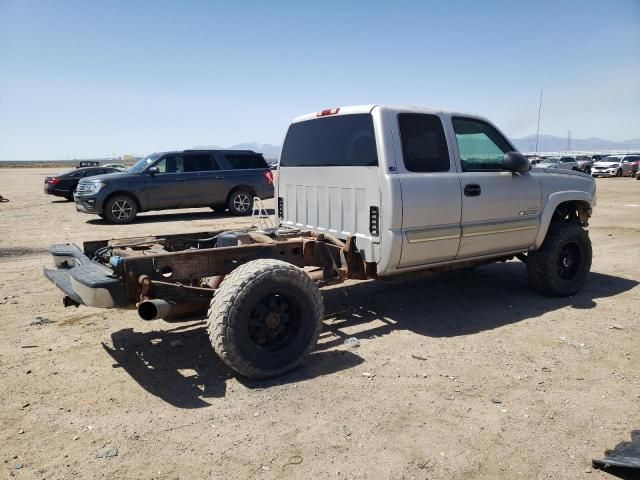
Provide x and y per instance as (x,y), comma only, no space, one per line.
(559,268)
(265,318)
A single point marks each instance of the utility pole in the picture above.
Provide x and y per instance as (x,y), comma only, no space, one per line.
(569,141)
(539,111)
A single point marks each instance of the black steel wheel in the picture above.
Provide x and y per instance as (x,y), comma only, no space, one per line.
(265,318)
(561,265)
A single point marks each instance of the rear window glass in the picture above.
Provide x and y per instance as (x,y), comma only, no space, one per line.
(246,161)
(424,147)
(342,141)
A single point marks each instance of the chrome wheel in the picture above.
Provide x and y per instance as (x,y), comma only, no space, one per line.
(121,209)
(242,202)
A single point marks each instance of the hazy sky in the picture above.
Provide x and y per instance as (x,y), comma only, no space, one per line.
(90,78)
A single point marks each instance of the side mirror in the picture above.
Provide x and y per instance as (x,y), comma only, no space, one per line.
(515,162)
(153,171)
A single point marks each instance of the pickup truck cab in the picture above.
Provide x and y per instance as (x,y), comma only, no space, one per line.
(218,179)
(363,192)
(417,187)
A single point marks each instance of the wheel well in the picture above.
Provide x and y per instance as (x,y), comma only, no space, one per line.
(573,211)
(123,192)
(239,187)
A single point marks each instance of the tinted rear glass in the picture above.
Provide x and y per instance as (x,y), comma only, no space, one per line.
(245,161)
(197,163)
(342,141)
(424,147)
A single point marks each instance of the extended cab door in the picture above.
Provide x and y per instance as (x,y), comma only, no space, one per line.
(169,187)
(500,209)
(431,197)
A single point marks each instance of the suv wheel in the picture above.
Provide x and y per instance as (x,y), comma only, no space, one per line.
(120,209)
(560,267)
(265,318)
(240,202)
(619,173)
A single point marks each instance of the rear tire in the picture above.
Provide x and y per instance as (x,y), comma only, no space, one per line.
(120,209)
(240,202)
(265,318)
(560,267)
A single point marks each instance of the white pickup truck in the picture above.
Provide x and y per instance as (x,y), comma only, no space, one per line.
(362,192)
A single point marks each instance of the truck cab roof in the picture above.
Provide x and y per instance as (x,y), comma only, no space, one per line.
(355,109)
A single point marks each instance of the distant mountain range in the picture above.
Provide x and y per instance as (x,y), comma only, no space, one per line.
(550,143)
(546,143)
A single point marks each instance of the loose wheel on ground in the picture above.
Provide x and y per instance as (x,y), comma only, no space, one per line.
(120,209)
(265,318)
(561,265)
(240,202)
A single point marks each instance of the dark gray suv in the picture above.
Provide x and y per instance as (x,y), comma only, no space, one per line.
(219,179)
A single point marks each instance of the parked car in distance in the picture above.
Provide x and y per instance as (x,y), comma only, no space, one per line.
(88,163)
(534,159)
(613,166)
(117,166)
(634,160)
(219,179)
(585,163)
(63,185)
(564,163)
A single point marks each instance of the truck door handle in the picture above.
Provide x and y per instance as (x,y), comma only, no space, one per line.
(179,179)
(472,190)
(219,178)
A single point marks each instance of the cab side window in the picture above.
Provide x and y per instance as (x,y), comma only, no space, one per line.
(481,147)
(170,164)
(198,163)
(424,147)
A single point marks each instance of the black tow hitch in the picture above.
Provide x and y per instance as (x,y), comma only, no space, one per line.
(67,301)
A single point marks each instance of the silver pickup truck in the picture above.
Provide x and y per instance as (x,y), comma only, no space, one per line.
(362,192)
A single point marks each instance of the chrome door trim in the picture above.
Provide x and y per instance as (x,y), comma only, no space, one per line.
(446,232)
(491,228)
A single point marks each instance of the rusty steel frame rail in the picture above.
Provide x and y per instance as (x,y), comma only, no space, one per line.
(145,275)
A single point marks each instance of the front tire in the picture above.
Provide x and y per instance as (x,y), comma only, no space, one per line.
(240,202)
(120,209)
(560,267)
(265,318)
(619,173)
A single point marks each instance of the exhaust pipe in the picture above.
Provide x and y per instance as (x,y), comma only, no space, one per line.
(166,310)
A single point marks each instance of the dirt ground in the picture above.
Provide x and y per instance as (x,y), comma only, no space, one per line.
(467,375)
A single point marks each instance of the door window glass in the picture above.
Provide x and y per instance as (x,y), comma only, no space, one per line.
(424,147)
(198,163)
(481,147)
(170,164)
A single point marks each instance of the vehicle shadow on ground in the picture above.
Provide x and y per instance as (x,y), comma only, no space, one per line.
(449,305)
(179,365)
(176,217)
